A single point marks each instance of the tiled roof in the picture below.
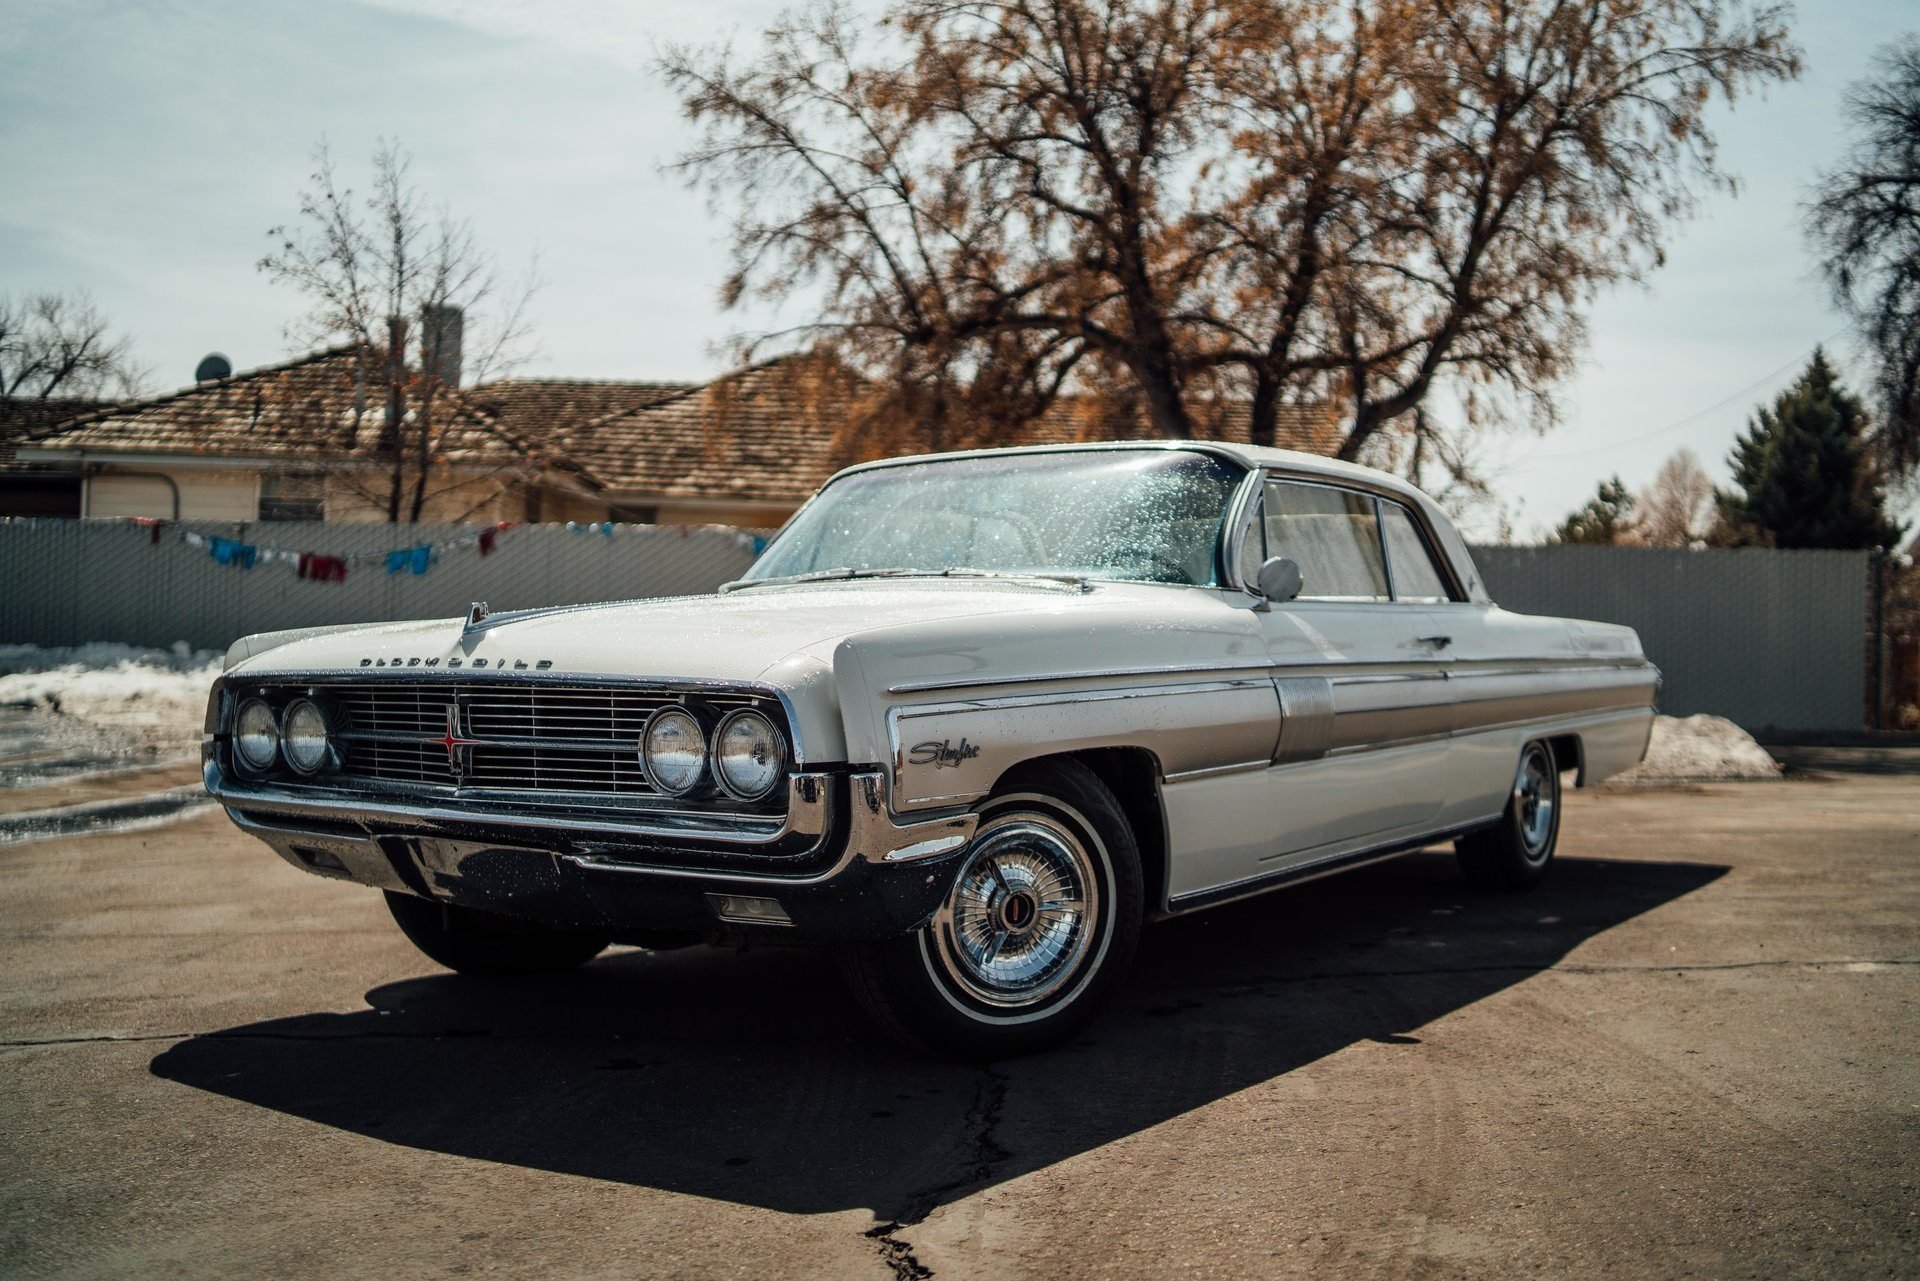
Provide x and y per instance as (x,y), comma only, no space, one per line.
(769,433)
(309,409)
(774,432)
(30,415)
(556,410)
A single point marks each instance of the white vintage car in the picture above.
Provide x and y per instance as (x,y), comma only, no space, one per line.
(975,718)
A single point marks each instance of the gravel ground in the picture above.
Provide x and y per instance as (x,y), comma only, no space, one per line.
(1690,1053)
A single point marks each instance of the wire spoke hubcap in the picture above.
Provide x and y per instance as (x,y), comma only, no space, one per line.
(1536,792)
(1020,916)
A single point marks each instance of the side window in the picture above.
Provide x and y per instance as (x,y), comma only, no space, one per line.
(1415,576)
(1332,535)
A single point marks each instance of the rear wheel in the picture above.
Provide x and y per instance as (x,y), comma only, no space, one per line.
(485,943)
(1516,851)
(1040,922)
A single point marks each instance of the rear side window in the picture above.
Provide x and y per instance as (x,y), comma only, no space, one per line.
(1415,576)
(1332,535)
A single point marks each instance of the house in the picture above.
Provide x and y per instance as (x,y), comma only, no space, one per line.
(302,440)
(299,440)
(39,489)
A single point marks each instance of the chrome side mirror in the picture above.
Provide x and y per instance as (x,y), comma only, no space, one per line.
(1280,579)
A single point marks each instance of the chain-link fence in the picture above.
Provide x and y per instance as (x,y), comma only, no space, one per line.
(1771,639)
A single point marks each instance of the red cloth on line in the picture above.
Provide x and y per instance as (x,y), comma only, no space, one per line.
(323,569)
(487,536)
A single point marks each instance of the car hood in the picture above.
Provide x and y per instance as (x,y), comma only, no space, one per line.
(741,635)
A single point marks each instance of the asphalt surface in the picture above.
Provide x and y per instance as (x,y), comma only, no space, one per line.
(1692,1053)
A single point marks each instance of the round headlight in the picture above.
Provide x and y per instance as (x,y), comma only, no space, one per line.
(749,755)
(256,736)
(303,736)
(674,751)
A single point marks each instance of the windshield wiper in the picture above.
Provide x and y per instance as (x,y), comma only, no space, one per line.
(957,571)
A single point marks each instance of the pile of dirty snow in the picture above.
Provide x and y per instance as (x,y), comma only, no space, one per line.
(1700,748)
(102,704)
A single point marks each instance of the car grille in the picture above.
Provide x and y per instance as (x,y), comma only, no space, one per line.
(517,737)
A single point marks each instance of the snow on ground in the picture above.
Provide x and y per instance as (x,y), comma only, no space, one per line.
(1695,748)
(99,706)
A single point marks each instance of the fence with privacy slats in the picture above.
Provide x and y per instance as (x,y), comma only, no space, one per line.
(1770,639)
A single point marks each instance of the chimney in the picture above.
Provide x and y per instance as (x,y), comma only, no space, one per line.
(441,325)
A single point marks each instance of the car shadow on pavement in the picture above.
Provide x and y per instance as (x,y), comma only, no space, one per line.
(749,1077)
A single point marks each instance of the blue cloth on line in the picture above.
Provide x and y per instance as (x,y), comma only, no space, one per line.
(231,552)
(414,559)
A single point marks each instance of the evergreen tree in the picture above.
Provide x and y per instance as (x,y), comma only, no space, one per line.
(1605,520)
(1803,472)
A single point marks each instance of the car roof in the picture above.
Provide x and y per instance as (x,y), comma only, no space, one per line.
(1250,456)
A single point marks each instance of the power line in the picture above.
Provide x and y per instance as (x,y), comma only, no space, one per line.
(1682,422)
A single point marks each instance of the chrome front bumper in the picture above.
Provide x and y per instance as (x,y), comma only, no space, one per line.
(839,860)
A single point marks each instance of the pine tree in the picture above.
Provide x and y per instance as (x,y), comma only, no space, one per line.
(1803,472)
(1605,520)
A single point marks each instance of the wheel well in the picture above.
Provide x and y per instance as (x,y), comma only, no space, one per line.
(1132,774)
(1569,755)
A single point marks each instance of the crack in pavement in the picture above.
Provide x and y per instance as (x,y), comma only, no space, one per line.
(1234,987)
(981,1152)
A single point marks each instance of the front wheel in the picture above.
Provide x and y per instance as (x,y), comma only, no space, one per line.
(484,943)
(1516,851)
(1040,922)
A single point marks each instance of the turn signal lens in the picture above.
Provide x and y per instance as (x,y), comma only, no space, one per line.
(749,755)
(674,751)
(256,736)
(304,739)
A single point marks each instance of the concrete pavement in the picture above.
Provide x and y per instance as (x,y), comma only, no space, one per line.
(1693,1052)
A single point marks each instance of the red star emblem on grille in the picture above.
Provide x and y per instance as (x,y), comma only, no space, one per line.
(452,741)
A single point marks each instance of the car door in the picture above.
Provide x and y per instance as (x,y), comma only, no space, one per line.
(1362,675)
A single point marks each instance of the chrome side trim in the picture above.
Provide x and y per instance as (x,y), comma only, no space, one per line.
(1106,673)
(1195,725)
(1306,718)
(1234,891)
(1216,771)
(1255,665)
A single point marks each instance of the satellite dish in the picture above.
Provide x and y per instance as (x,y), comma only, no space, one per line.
(213,369)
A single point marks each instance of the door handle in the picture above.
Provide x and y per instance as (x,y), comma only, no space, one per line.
(1438,642)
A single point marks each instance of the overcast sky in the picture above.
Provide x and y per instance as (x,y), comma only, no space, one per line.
(145,149)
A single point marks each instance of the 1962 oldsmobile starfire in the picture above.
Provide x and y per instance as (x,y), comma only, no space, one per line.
(975,718)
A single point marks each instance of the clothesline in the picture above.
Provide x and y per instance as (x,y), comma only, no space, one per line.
(415,559)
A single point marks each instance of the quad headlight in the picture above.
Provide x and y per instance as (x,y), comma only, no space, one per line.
(256,735)
(304,740)
(749,755)
(674,751)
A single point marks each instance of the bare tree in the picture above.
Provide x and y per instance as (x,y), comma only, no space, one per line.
(374,268)
(1172,201)
(1677,509)
(1865,216)
(59,345)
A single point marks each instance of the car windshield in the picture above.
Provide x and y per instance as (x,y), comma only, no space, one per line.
(1145,515)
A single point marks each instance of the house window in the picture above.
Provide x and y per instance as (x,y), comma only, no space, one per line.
(293,496)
